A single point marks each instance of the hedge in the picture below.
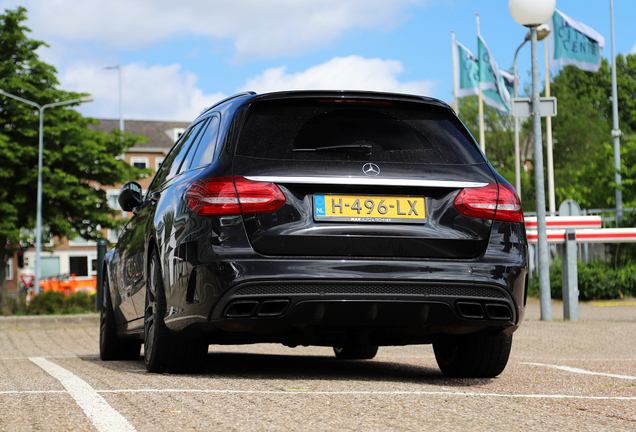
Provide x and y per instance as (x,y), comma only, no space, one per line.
(598,280)
(52,303)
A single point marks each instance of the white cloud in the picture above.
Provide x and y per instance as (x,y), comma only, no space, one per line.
(258,28)
(169,93)
(341,73)
(149,93)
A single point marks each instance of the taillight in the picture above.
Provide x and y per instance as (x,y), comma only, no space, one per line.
(232,196)
(498,202)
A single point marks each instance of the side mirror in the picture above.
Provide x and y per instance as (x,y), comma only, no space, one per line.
(130,196)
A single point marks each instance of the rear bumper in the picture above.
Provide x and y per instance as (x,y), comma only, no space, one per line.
(295,302)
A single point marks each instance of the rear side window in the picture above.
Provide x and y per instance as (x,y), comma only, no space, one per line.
(171,164)
(185,144)
(206,146)
(329,130)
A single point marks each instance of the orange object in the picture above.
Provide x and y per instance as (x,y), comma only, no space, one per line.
(69,286)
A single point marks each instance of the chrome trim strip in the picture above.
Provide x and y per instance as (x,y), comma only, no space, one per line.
(367,181)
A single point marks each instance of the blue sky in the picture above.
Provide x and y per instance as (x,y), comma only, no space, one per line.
(180,57)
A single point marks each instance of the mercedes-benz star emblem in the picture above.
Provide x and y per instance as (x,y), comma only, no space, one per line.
(371,169)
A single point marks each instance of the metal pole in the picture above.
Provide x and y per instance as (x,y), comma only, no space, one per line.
(482,136)
(548,127)
(121,103)
(544,263)
(616,133)
(38,223)
(454,74)
(570,278)
(517,151)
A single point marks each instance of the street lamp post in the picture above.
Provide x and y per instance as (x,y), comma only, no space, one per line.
(38,223)
(542,32)
(533,13)
(121,110)
(517,152)
(616,132)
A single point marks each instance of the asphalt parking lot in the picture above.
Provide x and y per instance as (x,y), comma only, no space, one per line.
(561,376)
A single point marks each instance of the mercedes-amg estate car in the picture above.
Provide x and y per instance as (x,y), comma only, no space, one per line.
(345,219)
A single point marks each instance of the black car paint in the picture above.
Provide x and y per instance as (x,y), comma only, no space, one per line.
(207,259)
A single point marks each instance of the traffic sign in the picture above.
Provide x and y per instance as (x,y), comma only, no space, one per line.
(522,107)
(27,280)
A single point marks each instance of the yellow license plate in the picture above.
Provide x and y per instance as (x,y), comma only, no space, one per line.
(358,208)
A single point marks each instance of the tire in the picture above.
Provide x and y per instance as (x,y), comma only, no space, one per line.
(163,350)
(475,356)
(111,346)
(355,352)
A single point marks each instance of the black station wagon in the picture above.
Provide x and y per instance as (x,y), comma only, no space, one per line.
(346,219)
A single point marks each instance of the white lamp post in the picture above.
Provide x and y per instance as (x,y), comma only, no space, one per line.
(38,229)
(533,13)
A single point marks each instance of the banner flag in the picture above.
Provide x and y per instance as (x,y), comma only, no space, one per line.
(509,81)
(574,43)
(467,73)
(491,82)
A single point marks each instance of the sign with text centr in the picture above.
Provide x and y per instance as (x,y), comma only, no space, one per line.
(574,43)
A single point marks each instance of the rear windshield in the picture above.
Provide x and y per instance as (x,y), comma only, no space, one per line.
(329,130)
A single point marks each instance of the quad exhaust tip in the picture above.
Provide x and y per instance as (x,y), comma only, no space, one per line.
(249,308)
(490,311)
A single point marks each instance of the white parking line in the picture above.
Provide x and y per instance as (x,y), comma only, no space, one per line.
(582,371)
(103,416)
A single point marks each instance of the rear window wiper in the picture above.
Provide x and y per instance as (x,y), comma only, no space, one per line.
(345,148)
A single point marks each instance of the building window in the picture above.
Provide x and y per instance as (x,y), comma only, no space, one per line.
(175,133)
(49,266)
(158,162)
(113,234)
(9,269)
(78,265)
(139,162)
(113,199)
(47,239)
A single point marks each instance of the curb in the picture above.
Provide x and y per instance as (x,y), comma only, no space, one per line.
(48,322)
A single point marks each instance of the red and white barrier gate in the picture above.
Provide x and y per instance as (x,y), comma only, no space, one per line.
(570,230)
(603,235)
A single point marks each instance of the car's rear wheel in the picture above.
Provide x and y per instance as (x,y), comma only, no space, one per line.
(474,356)
(355,352)
(111,346)
(163,350)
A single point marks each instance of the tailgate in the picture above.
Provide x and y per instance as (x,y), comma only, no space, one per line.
(362,178)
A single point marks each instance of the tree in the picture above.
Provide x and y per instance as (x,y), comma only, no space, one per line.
(76,159)
(500,143)
(584,152)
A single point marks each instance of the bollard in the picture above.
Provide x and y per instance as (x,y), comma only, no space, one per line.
(570,278)
(101,251)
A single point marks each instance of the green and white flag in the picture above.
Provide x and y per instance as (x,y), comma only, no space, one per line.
(508,81)
(467,72)
(574,43)
(491,82)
